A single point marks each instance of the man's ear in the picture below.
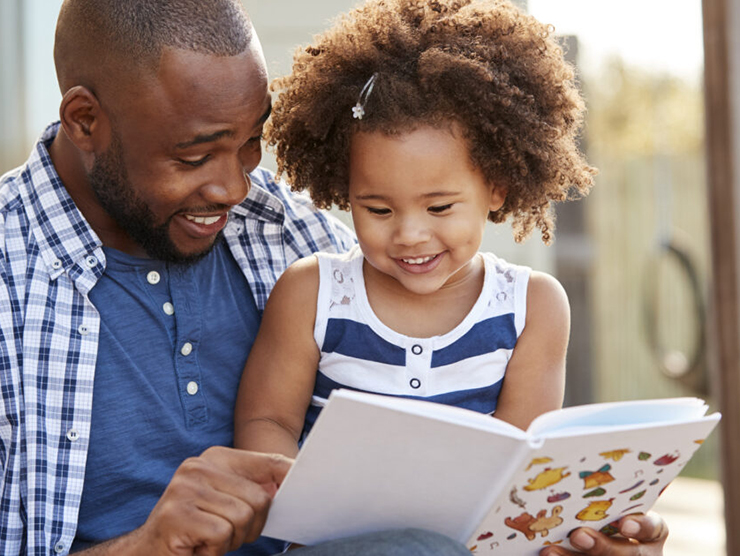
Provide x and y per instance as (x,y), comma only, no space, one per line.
(84,121)
(498,197)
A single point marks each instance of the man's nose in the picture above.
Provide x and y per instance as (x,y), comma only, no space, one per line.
(230,187)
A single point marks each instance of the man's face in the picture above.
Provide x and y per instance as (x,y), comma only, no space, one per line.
(181,148)
(109,181)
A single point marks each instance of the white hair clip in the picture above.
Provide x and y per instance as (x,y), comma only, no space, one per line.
(358,110)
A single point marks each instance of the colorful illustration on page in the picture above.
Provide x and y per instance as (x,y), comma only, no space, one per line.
(591,485)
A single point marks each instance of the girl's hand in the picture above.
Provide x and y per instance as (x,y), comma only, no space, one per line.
(641,535)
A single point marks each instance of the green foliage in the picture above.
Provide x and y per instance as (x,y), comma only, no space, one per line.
(634,112)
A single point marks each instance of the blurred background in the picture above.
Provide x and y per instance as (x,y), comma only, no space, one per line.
(634,256)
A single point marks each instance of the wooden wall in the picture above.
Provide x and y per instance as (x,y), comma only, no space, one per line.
(722,79)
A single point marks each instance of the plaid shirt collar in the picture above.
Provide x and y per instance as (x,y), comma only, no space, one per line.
(64,237)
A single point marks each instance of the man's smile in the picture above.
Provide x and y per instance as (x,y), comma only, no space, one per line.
(207,220)
(201,226)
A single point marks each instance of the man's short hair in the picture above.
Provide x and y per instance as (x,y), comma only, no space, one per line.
(133,33)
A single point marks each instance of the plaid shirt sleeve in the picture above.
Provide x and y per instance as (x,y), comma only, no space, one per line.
(49,260)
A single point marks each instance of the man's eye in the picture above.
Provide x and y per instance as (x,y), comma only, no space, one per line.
(380,211)
(440,208)
(196,162)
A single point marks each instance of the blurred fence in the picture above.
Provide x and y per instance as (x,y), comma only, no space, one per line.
(647,299)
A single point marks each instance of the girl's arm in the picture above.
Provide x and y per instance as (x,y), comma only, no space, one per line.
(535,376)
(279,376)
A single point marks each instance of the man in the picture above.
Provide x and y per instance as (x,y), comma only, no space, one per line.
(139,244)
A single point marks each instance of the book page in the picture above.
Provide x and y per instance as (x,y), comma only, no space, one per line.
(590,480)
(601,417)
(365,468)
(439,412)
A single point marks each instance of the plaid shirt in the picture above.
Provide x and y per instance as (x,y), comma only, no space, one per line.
(50,260)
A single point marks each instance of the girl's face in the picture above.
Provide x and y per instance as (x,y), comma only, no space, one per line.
(419,206)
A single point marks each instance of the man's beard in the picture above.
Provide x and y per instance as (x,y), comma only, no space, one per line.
(109,181)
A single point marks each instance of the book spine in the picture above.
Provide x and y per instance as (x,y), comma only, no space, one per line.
(500,489)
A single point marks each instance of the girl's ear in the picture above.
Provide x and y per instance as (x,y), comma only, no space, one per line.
(84,121)
(498,196)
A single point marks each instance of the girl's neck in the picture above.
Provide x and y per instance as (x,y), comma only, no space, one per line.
(423,315)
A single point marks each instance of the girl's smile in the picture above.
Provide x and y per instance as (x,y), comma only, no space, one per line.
(420,265)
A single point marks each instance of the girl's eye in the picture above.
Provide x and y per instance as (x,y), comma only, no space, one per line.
(255,139)
(379,211)
(440,209)
(195,163)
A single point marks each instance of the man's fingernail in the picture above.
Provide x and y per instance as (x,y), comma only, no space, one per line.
(630,528)
(582,540)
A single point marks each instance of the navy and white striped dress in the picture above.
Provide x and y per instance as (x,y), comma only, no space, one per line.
(464,367)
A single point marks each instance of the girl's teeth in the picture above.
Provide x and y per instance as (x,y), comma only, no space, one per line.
(418,261)
(207,220)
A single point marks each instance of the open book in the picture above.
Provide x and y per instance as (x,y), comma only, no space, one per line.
(374,463)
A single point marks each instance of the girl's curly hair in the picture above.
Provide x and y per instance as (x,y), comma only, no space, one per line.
(481,63)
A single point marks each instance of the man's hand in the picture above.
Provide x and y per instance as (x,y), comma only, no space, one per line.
(641,535)
(213,504)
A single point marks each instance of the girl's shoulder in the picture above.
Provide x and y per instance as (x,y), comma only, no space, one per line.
(297,282)
(505,276)
(532,295)
(347,264)
(546,294)
(302,278)
(538,286)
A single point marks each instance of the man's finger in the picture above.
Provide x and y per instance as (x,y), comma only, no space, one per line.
(642,535)
(244,509)
(238,487)
(588,541)
(644,528)
(215,502)
(257,467)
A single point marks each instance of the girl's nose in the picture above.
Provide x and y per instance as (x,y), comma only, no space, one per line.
(411,230)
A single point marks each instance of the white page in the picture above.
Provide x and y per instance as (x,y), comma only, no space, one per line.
(605,416)
(365,469)
(439,412)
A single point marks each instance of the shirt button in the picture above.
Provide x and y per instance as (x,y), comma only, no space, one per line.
(415,383)
(168,308)
(59,547)
(153,277)
(56,265)
(91,261)
(72,435)
(83,330)
(187,348)
(416,349)
(192,388)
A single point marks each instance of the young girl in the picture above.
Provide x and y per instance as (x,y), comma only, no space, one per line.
(425,119)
